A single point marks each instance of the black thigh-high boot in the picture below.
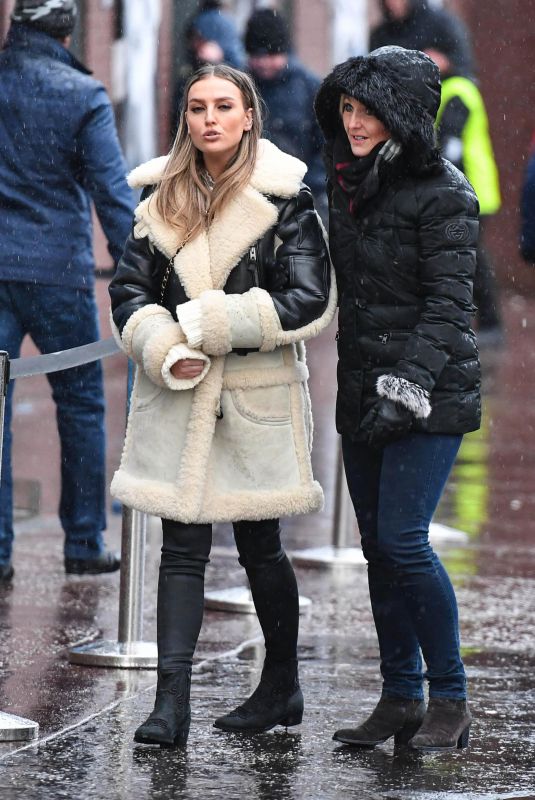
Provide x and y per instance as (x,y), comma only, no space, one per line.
(185,552)
(278,699)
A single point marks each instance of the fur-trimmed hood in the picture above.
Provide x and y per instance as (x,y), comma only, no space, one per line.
(402,89)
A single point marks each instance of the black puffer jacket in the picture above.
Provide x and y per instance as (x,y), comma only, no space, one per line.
(296,273)
(405,260)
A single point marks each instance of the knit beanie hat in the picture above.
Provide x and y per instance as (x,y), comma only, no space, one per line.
(54,17)
(267,33)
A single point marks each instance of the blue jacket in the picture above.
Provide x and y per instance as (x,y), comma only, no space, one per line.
(58,150)
(527,232)
(291,123)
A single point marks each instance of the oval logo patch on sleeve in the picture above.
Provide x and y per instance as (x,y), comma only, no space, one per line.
(457,232)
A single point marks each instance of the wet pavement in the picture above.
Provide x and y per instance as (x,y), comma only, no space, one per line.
(87,715)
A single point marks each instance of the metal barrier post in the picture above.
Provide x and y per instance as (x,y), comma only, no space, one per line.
(129,651)
(340,552)
(12,728)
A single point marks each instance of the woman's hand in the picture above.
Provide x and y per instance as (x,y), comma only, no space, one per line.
(187,368)
(386,422)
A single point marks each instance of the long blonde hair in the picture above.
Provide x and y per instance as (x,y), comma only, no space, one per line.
(183,200)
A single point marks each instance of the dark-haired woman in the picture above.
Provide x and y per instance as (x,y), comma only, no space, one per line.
(223,277)
(403,229)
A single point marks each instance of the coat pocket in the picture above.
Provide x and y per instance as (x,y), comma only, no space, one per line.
(266,406)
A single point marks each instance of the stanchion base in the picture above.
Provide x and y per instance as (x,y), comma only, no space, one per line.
(239,600)
(328,556)
(17,729)
(443,534)
(106,653)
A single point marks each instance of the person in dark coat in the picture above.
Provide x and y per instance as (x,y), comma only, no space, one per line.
(288,90)
(212,38)
(527,209)
(58,151)
(403,232)
(415,24)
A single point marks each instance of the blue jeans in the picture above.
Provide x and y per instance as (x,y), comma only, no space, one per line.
(57,318)
(395,492)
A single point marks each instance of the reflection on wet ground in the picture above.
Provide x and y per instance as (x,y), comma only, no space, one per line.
(88,715)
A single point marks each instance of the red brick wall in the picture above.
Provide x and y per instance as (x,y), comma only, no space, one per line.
(312,21)
(504,41)
(503,35)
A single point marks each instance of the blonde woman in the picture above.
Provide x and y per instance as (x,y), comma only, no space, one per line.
(224,275)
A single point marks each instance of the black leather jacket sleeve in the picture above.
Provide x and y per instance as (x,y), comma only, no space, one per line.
(134,285)
(303,261)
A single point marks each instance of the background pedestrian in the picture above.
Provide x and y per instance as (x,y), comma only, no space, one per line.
(464,139)
(212,38)
(288,90)
(416,24)
(58,151)
(527,208)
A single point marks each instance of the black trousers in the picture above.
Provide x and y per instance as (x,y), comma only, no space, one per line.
(185,553)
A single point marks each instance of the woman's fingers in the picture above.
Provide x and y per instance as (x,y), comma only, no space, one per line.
(187,368)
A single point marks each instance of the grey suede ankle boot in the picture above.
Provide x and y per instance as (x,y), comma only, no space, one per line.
(399,717)
(446,726)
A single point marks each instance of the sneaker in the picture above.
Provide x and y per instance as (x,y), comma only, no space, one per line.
(105,562)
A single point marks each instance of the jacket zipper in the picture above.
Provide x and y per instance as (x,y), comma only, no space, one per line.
(253,260)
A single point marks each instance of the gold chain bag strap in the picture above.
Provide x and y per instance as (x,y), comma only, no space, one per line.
(165,278)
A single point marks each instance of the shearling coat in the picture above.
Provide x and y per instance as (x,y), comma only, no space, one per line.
(234,443)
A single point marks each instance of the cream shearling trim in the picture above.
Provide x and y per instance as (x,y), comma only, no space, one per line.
(157,499)
(215,323)
(149,223)
(276,172)
(151,310)
(269,319)
(148,173)
(190,318)
(156,349)
(199,437)
(406,393)
(177,353)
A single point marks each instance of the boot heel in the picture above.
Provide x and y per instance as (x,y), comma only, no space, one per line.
(406,733)
(462,741)
(293,719)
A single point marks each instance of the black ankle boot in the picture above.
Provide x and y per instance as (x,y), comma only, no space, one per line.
(277,700)
(446,726)
(168,725)
(399,717)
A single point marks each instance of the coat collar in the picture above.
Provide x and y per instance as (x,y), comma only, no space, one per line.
(206,261)
(24,37)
